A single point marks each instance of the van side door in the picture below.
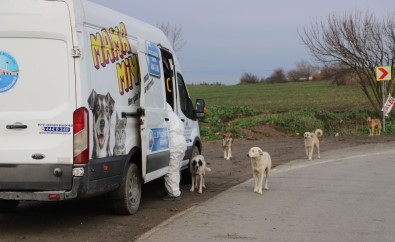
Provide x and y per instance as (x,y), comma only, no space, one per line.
(153,120)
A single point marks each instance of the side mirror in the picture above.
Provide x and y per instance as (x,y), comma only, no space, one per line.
(200,108)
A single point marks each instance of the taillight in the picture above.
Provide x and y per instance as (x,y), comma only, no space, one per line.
(81,136)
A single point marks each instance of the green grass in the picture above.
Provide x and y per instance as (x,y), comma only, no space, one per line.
(283,97)
(293,107)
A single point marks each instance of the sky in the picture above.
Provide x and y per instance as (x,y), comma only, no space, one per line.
(225,39)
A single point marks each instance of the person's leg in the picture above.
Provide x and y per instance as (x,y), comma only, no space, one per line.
(172,178)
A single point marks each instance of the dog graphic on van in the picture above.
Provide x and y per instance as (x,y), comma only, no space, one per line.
(102,107)
(120,136)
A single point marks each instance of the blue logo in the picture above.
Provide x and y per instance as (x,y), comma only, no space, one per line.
(158,140)
(153,60)
(9,71)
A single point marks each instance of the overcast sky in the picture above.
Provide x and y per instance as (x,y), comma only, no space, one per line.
(226,38)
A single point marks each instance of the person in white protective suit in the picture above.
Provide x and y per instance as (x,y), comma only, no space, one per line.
(177,146)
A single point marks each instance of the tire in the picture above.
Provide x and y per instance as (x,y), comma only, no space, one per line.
(8,205)
(186,174)
(127,197)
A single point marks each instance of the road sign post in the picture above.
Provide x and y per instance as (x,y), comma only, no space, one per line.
(384,73)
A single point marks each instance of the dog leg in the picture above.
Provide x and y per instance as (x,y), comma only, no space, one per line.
(311,149)
(225,153)
(307,151)
(260,182)
(193,184)
(256,183)
(266,178)
(318,150)
(204,182)
(230,152)
(200,184)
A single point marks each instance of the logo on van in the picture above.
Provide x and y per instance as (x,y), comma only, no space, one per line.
(9,71)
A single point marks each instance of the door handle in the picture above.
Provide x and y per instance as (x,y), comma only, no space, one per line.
(16,126)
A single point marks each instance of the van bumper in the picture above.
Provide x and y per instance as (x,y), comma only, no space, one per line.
(94,182)
(43,195)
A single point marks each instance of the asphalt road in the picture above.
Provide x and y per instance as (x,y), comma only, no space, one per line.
(348,196)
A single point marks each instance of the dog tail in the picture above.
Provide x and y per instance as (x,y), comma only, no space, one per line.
(318,132)
(207,169)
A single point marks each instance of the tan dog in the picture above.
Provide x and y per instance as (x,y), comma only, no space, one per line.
(372,124)
(261,164)
(227,144)
(198,170)
(311,140)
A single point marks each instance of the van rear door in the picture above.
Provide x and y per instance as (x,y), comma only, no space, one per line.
(37,96)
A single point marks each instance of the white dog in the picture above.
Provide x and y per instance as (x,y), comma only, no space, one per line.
(261,164)
(311,140)
(198,170)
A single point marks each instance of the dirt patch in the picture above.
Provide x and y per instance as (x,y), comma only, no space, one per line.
(262,131)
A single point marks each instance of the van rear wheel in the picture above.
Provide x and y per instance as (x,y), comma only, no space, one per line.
(128,195)
(186,174)
(8,205)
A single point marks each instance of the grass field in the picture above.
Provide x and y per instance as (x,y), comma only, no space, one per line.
(294,107)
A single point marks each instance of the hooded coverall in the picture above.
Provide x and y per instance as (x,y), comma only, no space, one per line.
(177,146)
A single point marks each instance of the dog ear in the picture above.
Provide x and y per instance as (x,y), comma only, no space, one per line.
(260,152)
(111,101)
(92,99)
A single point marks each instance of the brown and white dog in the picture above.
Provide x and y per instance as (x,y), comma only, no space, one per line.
(198,170)
(261,164)
(311,140)
(372,124)
(227,145)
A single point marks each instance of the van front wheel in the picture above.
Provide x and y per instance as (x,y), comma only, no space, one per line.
(128,195)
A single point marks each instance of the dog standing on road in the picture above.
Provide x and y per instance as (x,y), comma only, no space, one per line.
(227,145)
(311,140)
(261,164)
(372,124)
(198,170)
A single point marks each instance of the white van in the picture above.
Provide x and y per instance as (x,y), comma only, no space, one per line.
(83,93)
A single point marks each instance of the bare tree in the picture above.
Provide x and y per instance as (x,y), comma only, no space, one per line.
(278,76)
(304,70)
(174,34)
(248,78)
(358,42)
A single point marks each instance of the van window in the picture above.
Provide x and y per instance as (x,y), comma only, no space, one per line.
(185,101)
(167,72)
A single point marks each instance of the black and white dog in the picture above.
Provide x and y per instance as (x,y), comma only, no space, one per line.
(198,170)
(102,107)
